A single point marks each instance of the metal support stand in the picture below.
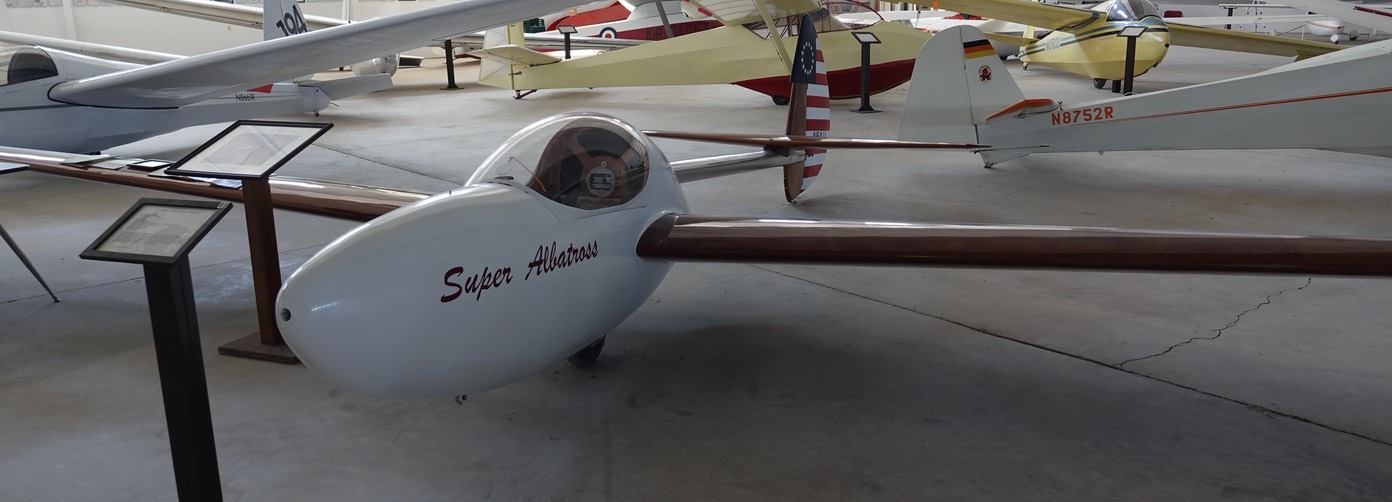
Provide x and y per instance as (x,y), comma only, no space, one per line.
(567,44)
(662,13)
(1130,65)
(169,290)
(25,260)
(865,39)
(1130,33)
(266,344)
(449,66)
(159,234)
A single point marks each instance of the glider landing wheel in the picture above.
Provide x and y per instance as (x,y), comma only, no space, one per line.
(588,355)
(1099,82)
(781,100)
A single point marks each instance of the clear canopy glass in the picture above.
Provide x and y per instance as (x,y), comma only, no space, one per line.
(25,64)
(585,162)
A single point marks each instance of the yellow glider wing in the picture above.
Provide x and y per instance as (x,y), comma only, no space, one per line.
(1010,39)
(1228,40)
(738,12)
(1036,14)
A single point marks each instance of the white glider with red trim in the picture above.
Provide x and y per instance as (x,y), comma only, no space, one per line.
(1339,101)
(56,100)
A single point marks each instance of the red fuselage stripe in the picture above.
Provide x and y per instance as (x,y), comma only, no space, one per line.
(1263,103)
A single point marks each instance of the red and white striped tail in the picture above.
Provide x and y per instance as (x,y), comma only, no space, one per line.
(809,108)
(818,122)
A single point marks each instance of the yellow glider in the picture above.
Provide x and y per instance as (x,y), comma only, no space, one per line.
(741,52)
(1085,42)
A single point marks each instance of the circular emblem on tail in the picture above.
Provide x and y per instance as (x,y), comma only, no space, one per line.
(984,73)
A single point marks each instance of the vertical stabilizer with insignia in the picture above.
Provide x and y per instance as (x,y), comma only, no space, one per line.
(958,83)
(809,109)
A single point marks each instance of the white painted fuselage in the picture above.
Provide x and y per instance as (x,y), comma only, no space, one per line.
(29,118)
(1338,101)
(433,299)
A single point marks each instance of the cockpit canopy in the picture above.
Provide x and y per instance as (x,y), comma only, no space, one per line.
(1128,10)
(25,64)
(584,162)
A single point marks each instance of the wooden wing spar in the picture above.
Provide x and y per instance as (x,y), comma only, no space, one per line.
(777,240)
(797,141)
(322,198)
(675,237)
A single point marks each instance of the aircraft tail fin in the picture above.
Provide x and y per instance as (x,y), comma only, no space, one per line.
(809,109)
(282,18)
(949,105)
(497,72)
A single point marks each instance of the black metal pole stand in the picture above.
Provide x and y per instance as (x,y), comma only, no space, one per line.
(25,260)
(567,45)
(1130,65)
(865,80)
(169,289)
(449,66)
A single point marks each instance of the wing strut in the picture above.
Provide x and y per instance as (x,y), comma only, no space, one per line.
(773,35)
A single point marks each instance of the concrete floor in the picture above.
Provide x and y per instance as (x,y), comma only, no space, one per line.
(755,382)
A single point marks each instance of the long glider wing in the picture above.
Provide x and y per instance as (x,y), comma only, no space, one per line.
(724,239)
(1036,14)
(1065,19)
(1241,41)
(189,80)
(335,200)
(251,17)
(222,12)
(738,12)
(95,50)
(1377,17)
(846,242)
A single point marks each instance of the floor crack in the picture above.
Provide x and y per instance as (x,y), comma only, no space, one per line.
(1269,411)
(1219,332)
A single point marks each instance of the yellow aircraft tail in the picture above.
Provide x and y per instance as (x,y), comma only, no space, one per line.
(497,58)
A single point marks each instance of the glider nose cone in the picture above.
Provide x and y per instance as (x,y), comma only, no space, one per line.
(322,326)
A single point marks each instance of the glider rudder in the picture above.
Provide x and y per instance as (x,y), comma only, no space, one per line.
(945,104)
(809,109)
(282,18)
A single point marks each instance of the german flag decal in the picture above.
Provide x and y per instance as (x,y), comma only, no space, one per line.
(977,48)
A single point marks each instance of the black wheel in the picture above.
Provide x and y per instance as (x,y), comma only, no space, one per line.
(1099,82)
(781,100)
(587,355)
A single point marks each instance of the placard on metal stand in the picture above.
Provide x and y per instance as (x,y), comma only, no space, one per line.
(250,150)
(159,233)
(866,39)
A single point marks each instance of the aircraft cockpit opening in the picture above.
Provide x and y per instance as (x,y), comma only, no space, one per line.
(25,64)
(581,162)
(1129,10)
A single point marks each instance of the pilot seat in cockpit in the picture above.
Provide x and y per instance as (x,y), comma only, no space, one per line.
(587,165)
